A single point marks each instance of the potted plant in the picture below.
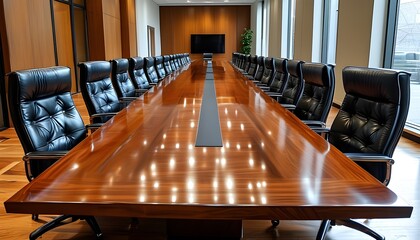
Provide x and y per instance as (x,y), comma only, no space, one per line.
(246,41)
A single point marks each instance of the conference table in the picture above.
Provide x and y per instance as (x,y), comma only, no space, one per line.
(146,163)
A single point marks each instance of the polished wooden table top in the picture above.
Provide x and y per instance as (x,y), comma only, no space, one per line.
(144,163)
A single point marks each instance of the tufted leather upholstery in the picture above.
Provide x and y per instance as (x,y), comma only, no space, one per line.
(121,80)
(373,113)
(160,70)
(149,68)
(260,70)
(176,62)
(268,73)
(97,89)
(247,64)
(43,113)
(318,92)
(172,62)
(294,87)
(253,66)
(167,64)
(137,73)
(281,75)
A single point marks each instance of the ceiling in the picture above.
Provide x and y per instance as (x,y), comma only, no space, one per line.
(203,2)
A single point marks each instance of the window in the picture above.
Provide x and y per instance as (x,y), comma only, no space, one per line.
(406,54)
(329,35)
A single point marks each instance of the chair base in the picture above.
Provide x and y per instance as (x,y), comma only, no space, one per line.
(59,222)
(326,225)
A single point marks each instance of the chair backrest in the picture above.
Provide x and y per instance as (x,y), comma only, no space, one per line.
(294,87)
(253,66)
(167,64)
(373,113)
(149,68)
(187,57)
(318,92)
(97,89)
(268,73)
(260,69)
(160,70)
(281,75)
(172,62)
(121,79)
(137,73)
(247,63)
(176,62)
(43,113)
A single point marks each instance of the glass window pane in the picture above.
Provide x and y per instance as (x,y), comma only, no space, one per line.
(407,53)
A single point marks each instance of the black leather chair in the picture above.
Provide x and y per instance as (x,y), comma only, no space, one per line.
(268,73)
(149,68)
(315,103)
(172,62)
(294,87)
(137,73)
(122,82)
(281,77)
(253,66)
(160,69)
(167,64)
(246,64)
(47,124)
(187,57)
(176,62)
(100,97)
(369,125)
(260,71)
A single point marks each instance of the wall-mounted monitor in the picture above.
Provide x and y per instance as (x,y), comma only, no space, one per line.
(207,43)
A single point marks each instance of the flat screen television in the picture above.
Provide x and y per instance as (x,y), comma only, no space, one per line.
(207,43)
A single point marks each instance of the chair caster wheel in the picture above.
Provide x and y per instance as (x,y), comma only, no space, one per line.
(35,217)
(275,223)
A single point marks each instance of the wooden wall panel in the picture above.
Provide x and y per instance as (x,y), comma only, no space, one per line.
(112,29)
(178,23)
(28,29)
(95,30)
(64,39)
(104,29)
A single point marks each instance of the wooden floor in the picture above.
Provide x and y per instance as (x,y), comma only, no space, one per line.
(405,182)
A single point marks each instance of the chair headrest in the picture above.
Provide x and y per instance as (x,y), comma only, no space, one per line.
(166,58)
(373,83)
(95,70)
(120,65)
(41,82)
(318,74)
(280,65)
(149,61)
(269,63)
(158,59)
(295,68)
(136,63)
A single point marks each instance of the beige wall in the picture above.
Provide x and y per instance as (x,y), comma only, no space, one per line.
(353,38)
(275,28)
(303,30)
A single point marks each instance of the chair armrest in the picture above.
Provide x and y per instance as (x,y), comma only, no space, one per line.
(141,90)
(369,157)
(274,94)
(93,126)
(314,124)
(127,99)
(289,107)
(44,155)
